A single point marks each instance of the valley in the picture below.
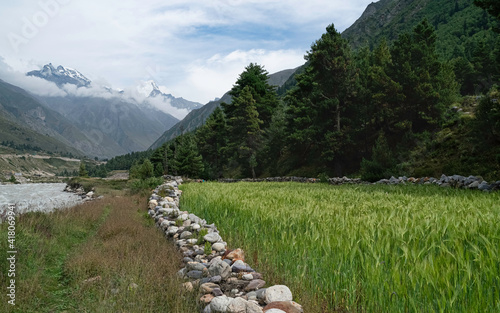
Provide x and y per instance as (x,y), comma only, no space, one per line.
(364,174)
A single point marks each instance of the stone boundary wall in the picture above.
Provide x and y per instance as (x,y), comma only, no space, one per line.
(224,282)
(454,181)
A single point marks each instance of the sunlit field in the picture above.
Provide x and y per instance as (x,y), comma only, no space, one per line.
(363,248)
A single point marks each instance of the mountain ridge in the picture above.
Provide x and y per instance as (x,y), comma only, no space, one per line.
(389,18)
(61,75)
(25,121)
(114,122)
(197,117)
(176,102)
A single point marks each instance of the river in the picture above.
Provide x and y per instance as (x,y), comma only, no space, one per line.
(36,197)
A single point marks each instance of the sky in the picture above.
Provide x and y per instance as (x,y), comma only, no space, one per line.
(193,49)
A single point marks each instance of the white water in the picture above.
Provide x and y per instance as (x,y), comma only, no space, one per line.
(36,197)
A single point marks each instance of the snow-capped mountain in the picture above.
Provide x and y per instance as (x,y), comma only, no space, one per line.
(61,75)
(148,88)
(111,122)
(151,90)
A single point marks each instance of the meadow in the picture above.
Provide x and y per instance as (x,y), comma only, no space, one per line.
(363,248)
(101,256)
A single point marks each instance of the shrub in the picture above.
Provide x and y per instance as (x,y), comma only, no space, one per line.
(382,162)
(140,186)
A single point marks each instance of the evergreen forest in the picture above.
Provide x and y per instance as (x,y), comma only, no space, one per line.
(422,103)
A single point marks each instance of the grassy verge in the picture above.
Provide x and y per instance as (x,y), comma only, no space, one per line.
(363,248)
(116,187)
(102,256)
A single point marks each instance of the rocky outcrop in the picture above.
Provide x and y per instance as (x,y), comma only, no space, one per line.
(220,276)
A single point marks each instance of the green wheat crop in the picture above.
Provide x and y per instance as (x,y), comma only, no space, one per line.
(364,248)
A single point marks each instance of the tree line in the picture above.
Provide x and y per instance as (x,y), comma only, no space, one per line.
(348,112)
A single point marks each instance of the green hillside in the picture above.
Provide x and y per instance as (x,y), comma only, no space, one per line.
(115,126)
(28,126)
(18,139)
(457,23)
(464,35)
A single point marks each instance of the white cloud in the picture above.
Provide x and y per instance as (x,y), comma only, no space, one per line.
(177,40)
(213,77)
(164,105)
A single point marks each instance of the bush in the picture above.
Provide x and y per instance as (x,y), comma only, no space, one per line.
(488,118)
(142,171)
(372,171)
(143,186)
(381,164)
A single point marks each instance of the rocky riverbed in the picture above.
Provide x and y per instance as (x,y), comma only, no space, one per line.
(221,277)
(36,197)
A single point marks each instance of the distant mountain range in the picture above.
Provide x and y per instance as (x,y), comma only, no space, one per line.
(115,126)
(96,121)
(111,123)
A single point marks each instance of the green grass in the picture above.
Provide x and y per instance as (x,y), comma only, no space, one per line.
(87,258)
(116,187)
(43,243)
(363,248)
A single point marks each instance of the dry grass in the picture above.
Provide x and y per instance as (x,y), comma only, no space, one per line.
(127,250)
(90,258)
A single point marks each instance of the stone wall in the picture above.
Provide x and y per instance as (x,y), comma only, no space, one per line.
(454,181)
(224,282)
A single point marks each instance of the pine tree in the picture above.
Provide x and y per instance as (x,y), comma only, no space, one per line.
(187,159)
(82,172)
(146,170)
(255,77)
(212,138)
(244,126)
(320,106)
(158,171)
(274,141)
(423,78)
(386,94)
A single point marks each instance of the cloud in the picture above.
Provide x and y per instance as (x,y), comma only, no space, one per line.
(32,84)
(176,40)
(164,105)
(98,89)
(213,77)
(138,95)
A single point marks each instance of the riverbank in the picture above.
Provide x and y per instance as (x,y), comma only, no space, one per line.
(26,168)
(100,256)
(36,197)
